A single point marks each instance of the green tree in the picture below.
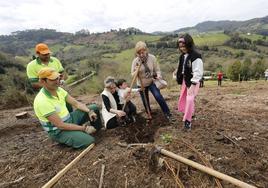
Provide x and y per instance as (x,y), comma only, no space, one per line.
(258,69)
(234,71)
(245,69)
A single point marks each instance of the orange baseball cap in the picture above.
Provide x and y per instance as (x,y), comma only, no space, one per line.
(42,49)
(48,72)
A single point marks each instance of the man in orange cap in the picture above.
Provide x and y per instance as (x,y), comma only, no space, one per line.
(43,60)
(61,125)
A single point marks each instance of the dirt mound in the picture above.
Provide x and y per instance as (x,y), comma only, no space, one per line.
(142,131)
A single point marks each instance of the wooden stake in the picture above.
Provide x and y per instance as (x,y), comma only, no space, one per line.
(22,115)
(66,168)
(102,174)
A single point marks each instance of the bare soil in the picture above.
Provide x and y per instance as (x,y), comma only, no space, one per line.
(230,130)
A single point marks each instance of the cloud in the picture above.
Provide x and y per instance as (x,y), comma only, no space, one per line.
(103,15)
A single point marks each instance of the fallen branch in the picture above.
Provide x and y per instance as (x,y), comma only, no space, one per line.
(131,145)
(102,174)
(81,80)
(7,184)
(66,168)
(178,181)
(126,182)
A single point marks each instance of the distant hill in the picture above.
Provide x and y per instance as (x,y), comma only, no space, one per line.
(112,52)
(256,25)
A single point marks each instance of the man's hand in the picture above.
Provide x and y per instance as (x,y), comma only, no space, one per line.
(92,115)
(89,129)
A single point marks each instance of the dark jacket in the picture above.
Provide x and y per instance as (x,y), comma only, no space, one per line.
(188,73)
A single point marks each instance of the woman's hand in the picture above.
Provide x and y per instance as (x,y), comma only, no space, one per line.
(191,89)
(121,113)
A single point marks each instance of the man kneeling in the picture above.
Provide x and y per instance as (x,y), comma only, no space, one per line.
(62,126)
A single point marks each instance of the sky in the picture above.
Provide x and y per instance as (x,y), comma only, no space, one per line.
(104,15)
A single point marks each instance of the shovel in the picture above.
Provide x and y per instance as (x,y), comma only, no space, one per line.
(158,150)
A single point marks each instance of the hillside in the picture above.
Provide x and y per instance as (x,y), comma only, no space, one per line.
(111,53)
(256,25)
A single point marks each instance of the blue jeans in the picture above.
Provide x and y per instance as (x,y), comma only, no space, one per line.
(158,97)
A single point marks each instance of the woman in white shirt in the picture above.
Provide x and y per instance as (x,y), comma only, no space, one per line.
(189,73)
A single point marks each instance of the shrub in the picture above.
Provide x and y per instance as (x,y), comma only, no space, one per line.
(13,98)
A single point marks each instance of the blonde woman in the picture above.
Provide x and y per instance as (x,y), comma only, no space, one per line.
(149,70)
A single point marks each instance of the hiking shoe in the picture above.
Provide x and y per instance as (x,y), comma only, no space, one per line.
(187,125)
(170,118)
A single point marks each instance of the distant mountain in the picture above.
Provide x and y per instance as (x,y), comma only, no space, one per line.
(256,25)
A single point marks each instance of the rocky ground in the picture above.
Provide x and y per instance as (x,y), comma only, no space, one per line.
(230,132)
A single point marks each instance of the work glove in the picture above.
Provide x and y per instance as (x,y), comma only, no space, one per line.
(90,129)
(92,115)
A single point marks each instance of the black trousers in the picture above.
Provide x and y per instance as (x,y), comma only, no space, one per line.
(130,110)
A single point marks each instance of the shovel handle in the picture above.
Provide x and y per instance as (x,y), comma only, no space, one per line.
(66,168)
(205,169)
(133,81)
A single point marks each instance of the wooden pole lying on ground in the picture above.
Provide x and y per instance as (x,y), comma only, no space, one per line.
(66,168)
(205,169)
(81,80)
(102,174)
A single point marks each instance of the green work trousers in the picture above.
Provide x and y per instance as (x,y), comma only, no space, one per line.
(77,139)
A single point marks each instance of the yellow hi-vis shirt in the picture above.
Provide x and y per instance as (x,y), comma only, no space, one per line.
(46,104)
(36,65)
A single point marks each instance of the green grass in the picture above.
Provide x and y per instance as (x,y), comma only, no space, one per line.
(253,37)
(210,39)
(265,26)
(71,78)
(75,47)
(124,58)
(55,48)
(248,53)
(24,59)
(147,38)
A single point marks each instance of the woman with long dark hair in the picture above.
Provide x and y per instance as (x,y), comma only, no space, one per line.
(189,73)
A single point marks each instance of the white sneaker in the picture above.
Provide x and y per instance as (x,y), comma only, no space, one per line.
(90,130)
